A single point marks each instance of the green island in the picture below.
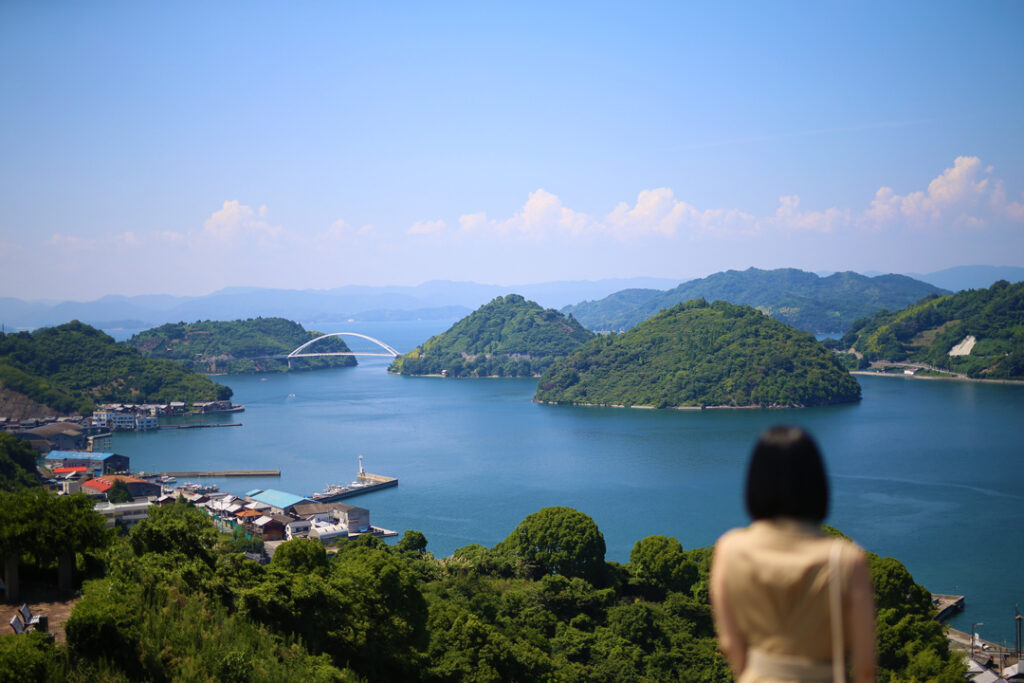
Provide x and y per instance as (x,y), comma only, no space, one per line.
(175,599)
(801,299)
(508,337)
(699,354)
(239,346)
(70,368)
(977,333)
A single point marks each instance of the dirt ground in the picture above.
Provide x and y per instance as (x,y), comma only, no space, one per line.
(41,600)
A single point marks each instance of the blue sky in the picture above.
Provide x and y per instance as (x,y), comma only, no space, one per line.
(180,148)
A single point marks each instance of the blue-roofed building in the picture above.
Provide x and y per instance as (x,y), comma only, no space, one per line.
(280,502)
(98,463)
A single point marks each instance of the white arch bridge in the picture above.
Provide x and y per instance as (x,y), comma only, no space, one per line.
(302,353)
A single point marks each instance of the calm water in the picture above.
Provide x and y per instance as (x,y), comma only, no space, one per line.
(928,472)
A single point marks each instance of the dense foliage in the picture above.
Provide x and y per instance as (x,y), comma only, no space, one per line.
(239,346)
(801,299)
(927,331)
(508,337)
(178,603)
(17,464)
(700,354)
(72,366)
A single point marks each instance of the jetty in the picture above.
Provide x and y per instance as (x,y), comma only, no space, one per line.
(202,426)
(224,473)
(364,483)
(947,605)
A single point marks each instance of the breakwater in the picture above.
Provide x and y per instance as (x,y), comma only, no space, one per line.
(202,426)
(225,473)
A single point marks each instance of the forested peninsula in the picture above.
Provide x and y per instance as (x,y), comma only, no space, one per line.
(508,337)
(701,355)
(71,367)
(804,300)
(978,333)
(239,346)
(175,599)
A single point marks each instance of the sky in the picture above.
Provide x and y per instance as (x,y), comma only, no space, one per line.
(184,147)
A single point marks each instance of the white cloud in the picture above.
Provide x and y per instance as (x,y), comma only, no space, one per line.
(655,211)
(472,222)
(426,227)
(954,198)
(235,220)
(341,232)
(789,217)
(543,214)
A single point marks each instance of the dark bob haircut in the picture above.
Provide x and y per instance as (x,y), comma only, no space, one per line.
(786,477)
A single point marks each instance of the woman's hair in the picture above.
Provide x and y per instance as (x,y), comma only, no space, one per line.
(786,477)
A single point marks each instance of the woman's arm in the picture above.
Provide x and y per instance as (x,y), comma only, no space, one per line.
(860,622)
(731,640)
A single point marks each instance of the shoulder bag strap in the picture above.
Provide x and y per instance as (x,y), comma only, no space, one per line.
(836,612)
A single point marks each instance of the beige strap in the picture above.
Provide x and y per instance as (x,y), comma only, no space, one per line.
(835,594)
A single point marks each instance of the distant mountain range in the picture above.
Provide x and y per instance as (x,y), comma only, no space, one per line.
(801,299)
(435,300)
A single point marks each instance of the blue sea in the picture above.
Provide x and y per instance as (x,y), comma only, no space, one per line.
(929,472)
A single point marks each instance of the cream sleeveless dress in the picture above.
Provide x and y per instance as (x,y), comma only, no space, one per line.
(777,586)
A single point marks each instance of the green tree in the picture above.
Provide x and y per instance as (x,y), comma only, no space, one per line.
(413,542)
(559,540)
(301,555)
(17,463)
(175,528)
(661,562)
(119,492)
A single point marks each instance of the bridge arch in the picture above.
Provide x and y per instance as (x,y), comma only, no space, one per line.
(388,351)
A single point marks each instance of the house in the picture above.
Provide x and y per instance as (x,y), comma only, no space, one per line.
(123,514)
(139,488)
(98,463)
(297,528)
(1015,672)
(352,519)
(269,528)
(61,436)
(280,502)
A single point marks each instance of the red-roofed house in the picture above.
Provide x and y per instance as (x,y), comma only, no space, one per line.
(139,488)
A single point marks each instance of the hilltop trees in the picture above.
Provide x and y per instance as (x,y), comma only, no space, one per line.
(559,540)
(71,366)
(508,337)
(701,354)
(543,604)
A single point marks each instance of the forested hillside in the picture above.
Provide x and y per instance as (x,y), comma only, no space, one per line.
(239,346)
(73,366)
(988,322)
(801,299)
(508,337)
(700,354)
(174,600)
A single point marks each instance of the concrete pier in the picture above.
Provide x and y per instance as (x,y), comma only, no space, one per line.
(225,473)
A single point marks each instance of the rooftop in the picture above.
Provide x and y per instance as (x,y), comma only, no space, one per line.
(104,483)
(78,455)
(278,499)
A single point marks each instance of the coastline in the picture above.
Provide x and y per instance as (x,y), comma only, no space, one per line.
(685,408)
(949,378)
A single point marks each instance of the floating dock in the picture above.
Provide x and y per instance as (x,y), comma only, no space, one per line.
(223,473)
